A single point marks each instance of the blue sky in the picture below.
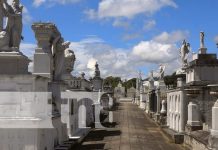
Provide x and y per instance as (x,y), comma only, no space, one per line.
(125,36)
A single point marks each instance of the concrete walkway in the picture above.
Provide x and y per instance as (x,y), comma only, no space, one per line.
(133,130)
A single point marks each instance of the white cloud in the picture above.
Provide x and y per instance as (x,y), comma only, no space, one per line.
(27,18)
(91,13)
(130,8)
(149,25)
(127,37)
(154,52)
(38,3)
(112,61)
(121,23)
(216,39)
(172,37)
(28,49)
(124,62)
(91,65)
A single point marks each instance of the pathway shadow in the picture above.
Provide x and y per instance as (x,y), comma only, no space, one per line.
(110,124)
(96,136)
(90,147)
(99,135)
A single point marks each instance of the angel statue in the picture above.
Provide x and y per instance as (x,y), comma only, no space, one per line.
(162,70)
(184,50)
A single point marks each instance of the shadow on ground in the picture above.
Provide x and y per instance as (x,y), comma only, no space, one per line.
(95,138)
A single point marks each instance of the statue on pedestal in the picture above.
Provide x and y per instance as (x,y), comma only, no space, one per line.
(162,70)
(202,39)
(97,71)
(184,50)
(10,37)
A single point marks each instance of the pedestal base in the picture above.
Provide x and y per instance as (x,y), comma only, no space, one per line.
(12,63)
(44,70)
(203,51)
(190,128)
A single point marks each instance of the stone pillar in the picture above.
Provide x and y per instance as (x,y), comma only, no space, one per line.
(182,111)
(158,101)
(142,97)
(148,103)
(45,33)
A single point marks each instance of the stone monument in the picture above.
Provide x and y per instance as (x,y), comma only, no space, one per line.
(184,51)
(162,70)
(202,49)
(97,81)
(10,39)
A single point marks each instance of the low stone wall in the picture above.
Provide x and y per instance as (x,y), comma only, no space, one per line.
(197,140)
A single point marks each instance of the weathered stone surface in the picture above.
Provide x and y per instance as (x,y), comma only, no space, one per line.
(12,63)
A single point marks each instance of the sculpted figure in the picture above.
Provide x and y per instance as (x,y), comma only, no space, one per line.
(97,71)
(63,57)
(184,50)
(161,73)
(201,39)
(4,37)
(69,60)
(14,24)
(58,48)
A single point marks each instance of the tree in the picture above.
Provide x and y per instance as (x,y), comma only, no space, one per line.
(113,81)
(130,83)
(171,80)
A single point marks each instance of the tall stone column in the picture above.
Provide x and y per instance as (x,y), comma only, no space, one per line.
(182,112)
(148,102)
(142,98)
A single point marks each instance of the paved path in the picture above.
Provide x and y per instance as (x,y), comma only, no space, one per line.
(133,131)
